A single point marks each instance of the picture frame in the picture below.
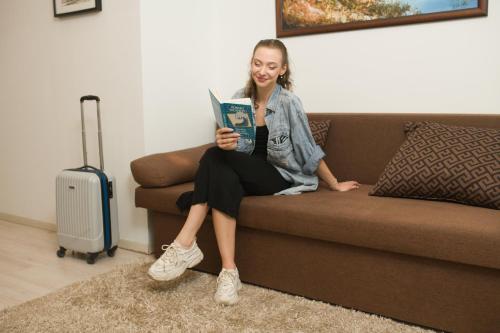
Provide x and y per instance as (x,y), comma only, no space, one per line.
(72,7)
(303,17)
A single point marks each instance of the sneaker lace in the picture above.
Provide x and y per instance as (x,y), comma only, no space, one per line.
(170,254)
(226,282)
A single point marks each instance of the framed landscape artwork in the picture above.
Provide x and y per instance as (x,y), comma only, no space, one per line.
(70,7)
(301,17)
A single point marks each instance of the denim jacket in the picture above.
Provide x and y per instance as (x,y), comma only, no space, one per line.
(291,148)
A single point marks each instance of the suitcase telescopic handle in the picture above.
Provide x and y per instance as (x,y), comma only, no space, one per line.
(99,132)
(90,98)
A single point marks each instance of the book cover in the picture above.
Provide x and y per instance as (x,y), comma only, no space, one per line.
(237,114)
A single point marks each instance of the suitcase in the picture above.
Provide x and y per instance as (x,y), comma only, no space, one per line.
(86,207)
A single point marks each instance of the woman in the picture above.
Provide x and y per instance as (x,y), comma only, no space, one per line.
(283,159)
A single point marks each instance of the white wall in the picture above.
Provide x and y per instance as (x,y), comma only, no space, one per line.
(47,63)
(447,66)
(178,45)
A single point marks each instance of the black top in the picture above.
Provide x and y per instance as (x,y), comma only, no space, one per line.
(261,135)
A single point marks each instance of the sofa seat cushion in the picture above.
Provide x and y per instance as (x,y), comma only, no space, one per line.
(431,229)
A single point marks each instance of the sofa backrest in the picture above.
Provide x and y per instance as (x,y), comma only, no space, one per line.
(360,145)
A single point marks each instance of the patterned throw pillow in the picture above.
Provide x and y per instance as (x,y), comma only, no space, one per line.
(441,162)
(319,130)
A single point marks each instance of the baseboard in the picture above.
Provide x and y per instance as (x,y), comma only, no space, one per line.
(27,221)
(122,243)
(134,246)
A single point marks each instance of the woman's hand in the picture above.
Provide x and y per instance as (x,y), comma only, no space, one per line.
(226,139)
(326,175)
(346,186)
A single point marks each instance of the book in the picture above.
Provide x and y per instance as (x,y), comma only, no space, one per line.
(237,114)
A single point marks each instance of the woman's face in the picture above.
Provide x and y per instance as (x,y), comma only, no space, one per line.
(267,66)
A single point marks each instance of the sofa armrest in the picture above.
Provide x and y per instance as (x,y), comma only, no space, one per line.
(165,169)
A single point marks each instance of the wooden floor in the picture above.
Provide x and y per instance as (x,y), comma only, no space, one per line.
(29,267)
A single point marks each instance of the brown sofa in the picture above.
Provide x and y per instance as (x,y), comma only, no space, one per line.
(435,264)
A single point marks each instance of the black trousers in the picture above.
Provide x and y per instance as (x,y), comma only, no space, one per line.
(224,177)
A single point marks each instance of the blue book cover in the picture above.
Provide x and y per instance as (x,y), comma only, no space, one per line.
(237,114)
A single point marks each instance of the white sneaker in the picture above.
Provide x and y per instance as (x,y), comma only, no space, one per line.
(174,261)
(228,284)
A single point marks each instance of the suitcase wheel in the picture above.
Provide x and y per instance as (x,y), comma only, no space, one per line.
(61,252)
(111,251)
(91,258)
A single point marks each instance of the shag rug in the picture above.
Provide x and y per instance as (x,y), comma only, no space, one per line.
(126,300)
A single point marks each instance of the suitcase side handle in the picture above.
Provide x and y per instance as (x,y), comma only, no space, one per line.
(90,98)
(99,132)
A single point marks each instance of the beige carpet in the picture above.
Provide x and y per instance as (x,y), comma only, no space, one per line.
(126,300)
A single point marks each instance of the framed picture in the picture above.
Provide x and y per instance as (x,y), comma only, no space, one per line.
(301,17)
(70,7)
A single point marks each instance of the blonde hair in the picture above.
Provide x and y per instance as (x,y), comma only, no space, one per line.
(284,80)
